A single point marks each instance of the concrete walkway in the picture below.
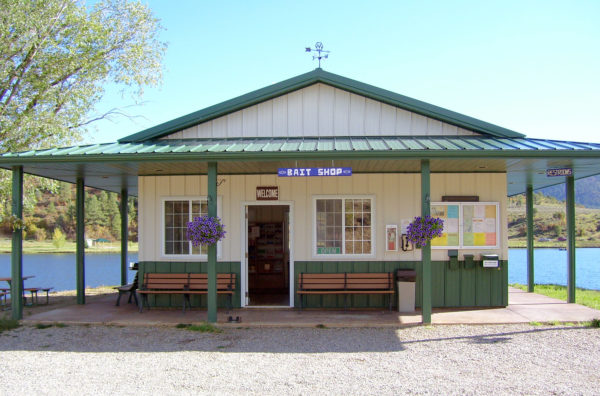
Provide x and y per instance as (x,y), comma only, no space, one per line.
(523,308)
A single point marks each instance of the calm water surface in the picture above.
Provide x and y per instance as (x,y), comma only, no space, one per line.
(58,270)
(550,266)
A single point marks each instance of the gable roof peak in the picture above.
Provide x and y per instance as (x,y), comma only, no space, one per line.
(315,76)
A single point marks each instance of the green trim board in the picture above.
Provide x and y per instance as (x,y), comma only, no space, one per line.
(451,288)
(314,77)
(190,267)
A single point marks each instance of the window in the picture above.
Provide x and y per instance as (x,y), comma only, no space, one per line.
(343,226)
(177,214)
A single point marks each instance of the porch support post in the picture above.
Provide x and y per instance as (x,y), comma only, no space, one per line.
(571,239)
(124,235)
(16,270)
(529,213)
(80,241)
(212,249)
(426,250)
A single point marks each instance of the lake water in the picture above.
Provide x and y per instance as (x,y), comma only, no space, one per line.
(550,266)
(58,270)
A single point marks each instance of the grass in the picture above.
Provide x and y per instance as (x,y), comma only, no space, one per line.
(202,328)
(8,324)
(42,326)
(589,298)
(45,247)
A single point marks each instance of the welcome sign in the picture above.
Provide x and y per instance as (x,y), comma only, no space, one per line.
(308,172)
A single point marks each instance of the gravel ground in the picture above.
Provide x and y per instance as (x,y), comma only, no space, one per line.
(103,360)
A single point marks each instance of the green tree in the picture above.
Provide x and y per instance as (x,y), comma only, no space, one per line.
(58,238)
(93,211)
(57,57)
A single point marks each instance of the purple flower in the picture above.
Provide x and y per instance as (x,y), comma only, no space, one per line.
(205,230)
(424,229)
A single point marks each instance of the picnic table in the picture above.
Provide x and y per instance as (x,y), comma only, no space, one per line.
(32,290)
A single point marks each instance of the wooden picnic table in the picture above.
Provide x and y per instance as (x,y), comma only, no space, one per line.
(9,280)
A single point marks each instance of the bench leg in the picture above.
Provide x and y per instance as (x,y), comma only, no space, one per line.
(118,299)
(133,292)
(186,298)
(144,300)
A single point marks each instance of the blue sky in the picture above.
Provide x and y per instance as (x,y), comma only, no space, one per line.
(530,66)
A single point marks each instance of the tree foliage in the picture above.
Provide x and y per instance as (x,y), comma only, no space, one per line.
(56,56)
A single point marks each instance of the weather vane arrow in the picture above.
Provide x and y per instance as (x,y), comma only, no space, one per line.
(322,54)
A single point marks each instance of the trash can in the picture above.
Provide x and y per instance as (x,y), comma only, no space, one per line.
(406,280)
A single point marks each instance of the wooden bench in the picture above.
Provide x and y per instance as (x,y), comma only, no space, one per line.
(128,288)
(184,284)
(346,283)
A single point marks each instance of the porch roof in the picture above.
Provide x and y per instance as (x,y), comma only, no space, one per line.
(114,166)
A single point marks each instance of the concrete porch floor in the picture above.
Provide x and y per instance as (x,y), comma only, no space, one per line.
(523,308)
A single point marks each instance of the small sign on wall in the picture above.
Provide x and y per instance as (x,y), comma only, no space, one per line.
(308,172)
(391,237)
(267,193)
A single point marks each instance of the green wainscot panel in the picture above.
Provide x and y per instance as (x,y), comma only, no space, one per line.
(463,287)
(198,301)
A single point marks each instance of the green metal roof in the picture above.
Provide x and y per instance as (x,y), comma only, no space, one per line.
(113,166)
(265,147)
(334,80)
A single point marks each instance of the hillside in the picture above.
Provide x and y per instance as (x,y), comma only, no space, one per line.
(550,223)
(587,192)
(54,211)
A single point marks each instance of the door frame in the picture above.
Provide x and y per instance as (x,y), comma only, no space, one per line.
(244,247)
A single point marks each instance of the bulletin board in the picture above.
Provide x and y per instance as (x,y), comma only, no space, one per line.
(467,225)
(450,213)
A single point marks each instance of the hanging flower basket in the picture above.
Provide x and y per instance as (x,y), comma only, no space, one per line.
(205,230)
(423,229)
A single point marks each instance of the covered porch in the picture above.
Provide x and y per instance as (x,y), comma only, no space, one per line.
(117,167)
(523,308)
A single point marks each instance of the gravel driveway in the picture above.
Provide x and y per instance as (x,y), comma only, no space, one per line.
(500,359)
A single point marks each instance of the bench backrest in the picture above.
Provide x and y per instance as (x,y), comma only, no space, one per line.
(158,281)
(165,281)
(347,281)
(200,282)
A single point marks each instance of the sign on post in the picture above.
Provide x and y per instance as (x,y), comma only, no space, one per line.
(559,172)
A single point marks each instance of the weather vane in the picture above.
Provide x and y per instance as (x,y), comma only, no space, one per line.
(318,48)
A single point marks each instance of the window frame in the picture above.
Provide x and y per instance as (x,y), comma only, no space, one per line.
(325,257)
(198,257)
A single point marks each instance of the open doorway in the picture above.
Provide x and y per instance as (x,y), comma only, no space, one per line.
(268,255)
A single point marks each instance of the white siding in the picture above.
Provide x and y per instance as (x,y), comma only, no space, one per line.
(397,197)
(320,110)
